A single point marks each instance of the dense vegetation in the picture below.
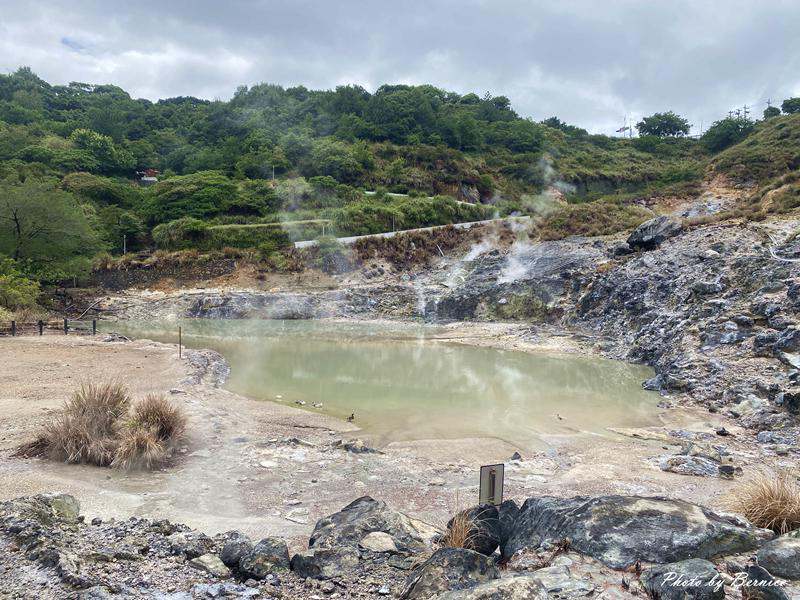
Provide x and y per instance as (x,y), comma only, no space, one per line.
(275,164)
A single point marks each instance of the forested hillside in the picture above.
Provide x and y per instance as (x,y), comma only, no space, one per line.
(275,163)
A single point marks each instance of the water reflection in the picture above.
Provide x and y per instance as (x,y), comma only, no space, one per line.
(403,386)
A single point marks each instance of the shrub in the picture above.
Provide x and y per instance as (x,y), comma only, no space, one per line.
(769,500)
(791,106)
(16,290)
(180,234)
(87,429)
(152,433)
(727,132)
(97,426)
(246,236)
(199,195)
(601,217)
(161,416)
(139,449)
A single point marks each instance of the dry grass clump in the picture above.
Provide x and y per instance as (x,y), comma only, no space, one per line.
(100,425)
(461,532)
(769,500)
(155,428)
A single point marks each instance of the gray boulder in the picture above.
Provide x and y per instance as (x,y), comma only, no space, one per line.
(449,569)
(324,563)
(699,466)
(781,556)
(758,584)
(650,234)
(485,531)
(365,515)
(516,587)
(694,578)
(190,543)
(560,583)
(507,512)
(234,549)
(335,540)
(210,563)
(270,555)
(44,509)
(619,530)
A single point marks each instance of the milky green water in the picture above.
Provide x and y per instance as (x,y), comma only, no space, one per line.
(403,384)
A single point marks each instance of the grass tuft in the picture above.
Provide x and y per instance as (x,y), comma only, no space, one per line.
(769,500)
(99,425)
(157,414)
(461,532)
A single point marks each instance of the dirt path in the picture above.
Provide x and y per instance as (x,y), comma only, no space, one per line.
(265,468)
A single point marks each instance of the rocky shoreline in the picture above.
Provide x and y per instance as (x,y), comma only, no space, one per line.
(609,547)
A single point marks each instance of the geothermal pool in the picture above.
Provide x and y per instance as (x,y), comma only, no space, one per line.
(403,384)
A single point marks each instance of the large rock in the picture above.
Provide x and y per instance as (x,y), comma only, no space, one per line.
(516,587)
(335,540)
(211,564)
(694,578)
(485,532)
(450,569)
(324,563)
(560,583)
(508,512)
(619,530)
(365,515)
(270,555)
(699,466)
(650,234)
(190,543)
(757,584)
(781,556)
(378,542)
(235,549)
(44,509)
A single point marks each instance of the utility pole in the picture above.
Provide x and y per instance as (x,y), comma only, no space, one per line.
(746,110)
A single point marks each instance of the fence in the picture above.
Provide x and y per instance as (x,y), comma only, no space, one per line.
(16,328)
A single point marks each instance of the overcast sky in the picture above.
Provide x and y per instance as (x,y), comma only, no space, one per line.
(590,63)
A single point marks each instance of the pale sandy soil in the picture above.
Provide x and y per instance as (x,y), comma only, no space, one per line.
(242,469)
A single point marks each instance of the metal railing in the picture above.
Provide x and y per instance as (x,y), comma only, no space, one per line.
(65,326)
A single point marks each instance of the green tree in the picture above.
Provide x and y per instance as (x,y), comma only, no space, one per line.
(42,225)
(16,290)
(666,124)
(791,106)
(727,132)
(771,111)
(199,195)
(110,158)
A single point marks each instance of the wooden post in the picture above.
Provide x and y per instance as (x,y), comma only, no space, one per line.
(66,327)
(94,326)
(180,342)
(13,328)
(41,327)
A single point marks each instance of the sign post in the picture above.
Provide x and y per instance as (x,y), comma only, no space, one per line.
(491,484)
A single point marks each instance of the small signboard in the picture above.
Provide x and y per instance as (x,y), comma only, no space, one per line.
(491,489)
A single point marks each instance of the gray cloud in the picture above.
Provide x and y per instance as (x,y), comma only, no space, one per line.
(590,63)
